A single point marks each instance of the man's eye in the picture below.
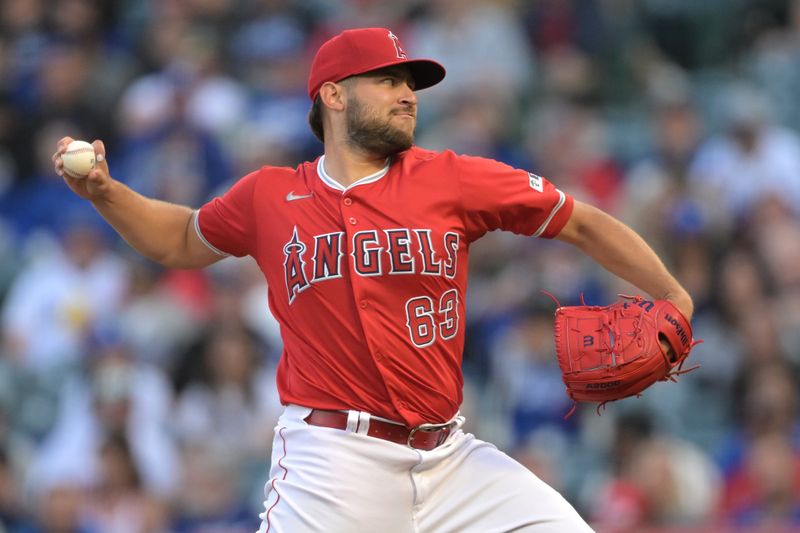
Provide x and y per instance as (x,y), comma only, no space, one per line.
(390,80)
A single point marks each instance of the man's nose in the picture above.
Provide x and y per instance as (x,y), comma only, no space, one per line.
(408,97)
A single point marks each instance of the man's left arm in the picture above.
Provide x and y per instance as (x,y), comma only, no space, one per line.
(621,251)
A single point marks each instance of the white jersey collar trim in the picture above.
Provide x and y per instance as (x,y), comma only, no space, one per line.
(330,182)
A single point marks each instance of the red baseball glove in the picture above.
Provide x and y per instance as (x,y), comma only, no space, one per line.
(612,352)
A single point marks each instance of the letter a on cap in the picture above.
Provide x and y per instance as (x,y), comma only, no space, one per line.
(401,54)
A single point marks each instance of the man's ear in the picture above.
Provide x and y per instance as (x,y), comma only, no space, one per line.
(332,95)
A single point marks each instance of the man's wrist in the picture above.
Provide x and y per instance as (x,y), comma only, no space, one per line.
(683,302)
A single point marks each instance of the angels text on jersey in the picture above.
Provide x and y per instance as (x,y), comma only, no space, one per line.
(396,251)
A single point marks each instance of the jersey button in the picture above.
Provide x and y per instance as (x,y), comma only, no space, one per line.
(353,220)
(347,201)
(363,304)
(378,357)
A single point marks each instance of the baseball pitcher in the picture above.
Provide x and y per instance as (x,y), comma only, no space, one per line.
(365,254)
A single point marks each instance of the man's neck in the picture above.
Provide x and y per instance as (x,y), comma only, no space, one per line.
(347,165)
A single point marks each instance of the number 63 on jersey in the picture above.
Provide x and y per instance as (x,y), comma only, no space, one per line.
(426,319)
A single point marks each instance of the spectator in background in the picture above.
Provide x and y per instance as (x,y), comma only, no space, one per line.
(118,502)
(773,61)
(571,140)
(615,503)
(472,36)
(767,403)
(553,24)
(232,405)
(118,395)
(661,481)
(753,159)
(271,53)
(366,14)
(697,266)
(55,95)
(10,148)
(478,124)
(33,202)
(765,492)
(58,510)
(742,281)
(163,153)
(65,288)
(761,457)
(527,376)
(215,501)
(12,509)
(678,483)
(657,197)
(171,121)
(774,230)
(156,318)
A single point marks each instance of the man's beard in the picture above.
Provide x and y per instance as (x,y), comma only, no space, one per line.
(366,132)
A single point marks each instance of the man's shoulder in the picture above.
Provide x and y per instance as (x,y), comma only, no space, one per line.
(419,154)
(422,157)
(269,180)
(448,165)
(271,172)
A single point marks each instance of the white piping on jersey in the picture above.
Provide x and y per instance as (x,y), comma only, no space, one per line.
(339,187)
(196,216)
(561,200)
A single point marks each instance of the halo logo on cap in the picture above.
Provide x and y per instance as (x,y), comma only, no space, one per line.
(401,54)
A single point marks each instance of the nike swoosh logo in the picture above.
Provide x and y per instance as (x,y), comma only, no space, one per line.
(292,196)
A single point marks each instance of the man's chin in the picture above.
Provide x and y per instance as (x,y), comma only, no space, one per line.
(398,140)
(385,141)
(404,136)
(403,145)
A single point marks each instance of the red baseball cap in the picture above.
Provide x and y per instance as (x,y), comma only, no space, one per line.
(362,50)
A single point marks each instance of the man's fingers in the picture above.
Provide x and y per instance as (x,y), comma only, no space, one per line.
(95,180)
(61,147)
(62,144)
(58,164)
(99,147)
(671,354)
(100,155)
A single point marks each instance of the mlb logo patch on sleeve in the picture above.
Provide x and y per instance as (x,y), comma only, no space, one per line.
(536,182)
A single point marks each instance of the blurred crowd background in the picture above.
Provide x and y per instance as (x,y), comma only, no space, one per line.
(136,399)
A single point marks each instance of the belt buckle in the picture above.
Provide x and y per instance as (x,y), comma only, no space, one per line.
(428,428)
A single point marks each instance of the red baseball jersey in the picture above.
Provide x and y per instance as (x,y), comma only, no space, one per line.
(368,281)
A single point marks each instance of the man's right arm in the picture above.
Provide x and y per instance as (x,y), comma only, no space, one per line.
(160,231)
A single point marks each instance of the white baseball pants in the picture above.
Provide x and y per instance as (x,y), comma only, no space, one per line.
(336,481)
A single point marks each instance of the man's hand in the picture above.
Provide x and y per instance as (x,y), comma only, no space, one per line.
(685,305)
(97,184)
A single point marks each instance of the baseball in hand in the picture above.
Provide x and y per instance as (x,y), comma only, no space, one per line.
(79,159)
